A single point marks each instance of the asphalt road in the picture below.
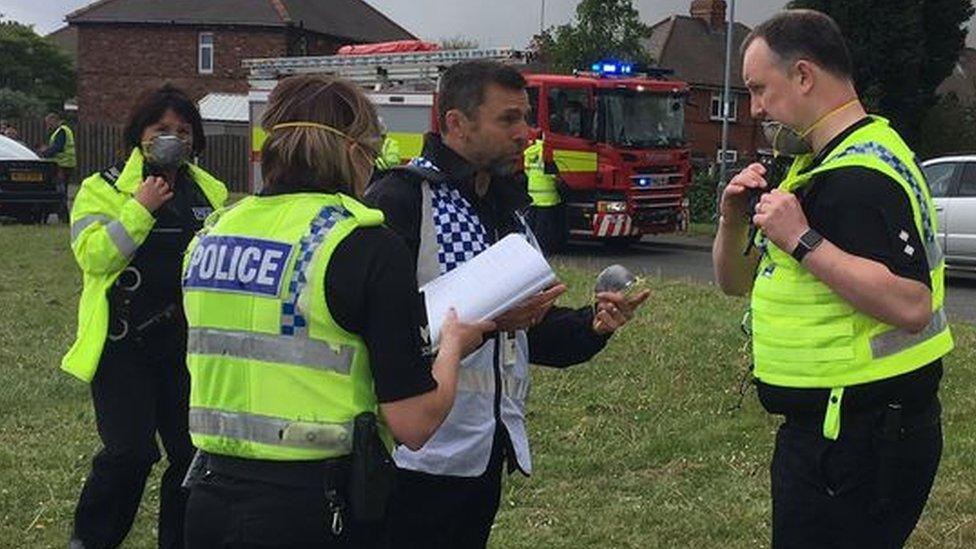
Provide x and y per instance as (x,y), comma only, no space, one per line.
(689,259)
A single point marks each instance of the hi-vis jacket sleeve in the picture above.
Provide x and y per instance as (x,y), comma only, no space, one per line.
(107,227)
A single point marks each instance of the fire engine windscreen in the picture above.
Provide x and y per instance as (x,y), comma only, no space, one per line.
(640,119)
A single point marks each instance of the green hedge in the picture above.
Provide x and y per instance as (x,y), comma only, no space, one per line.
(702,197)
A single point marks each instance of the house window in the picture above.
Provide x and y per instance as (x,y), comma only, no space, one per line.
(731,156)
(716,113)
(205,62)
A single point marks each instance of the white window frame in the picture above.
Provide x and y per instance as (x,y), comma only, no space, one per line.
(731,156)
(715,112)
(205,49)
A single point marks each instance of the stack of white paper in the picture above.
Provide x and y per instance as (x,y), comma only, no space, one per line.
(488,285)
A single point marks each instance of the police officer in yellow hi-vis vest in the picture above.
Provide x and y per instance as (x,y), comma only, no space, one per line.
(389,156)
(130,225)
(847,285)
(60,148)
(304,348)
(547,215)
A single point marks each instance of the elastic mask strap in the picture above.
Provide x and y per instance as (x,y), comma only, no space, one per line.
(776,153)
(826,117)
(315,125)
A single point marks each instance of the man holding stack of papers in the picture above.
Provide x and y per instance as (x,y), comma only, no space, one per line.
(458,208)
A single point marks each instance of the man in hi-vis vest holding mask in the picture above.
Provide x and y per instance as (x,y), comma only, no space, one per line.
(846,283)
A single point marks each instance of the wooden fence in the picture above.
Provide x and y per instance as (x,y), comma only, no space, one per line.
(101,145)
(227,159)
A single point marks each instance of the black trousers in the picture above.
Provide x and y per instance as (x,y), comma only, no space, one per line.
(443,512)
(139,390)
(549,227)
(65,177)
(828,494)
(261,505)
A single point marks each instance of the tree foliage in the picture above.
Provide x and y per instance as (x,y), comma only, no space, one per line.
(601,30)
(902,50)
(34,73)
(15,104)
(949,127)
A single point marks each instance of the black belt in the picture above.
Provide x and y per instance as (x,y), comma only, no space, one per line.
(300,474)
(866,422)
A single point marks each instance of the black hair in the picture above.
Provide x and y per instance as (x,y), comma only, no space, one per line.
(805,34)
(463,85)
(150,108)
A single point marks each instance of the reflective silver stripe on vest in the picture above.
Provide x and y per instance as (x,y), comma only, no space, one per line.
(300,351)
(527,231)
(122,239)
(481,380)
(898,340)
(78,226)
(934,255)
(428,267)
(333,437)
(933,252)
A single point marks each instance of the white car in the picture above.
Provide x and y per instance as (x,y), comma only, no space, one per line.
(28,190)
(15,150)
(952,180)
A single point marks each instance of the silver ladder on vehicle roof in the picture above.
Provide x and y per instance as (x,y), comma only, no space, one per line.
(378,69)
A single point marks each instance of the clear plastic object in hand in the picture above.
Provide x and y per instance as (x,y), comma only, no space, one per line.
(616,278)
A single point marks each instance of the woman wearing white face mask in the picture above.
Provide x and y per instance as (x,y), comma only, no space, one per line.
(130,225)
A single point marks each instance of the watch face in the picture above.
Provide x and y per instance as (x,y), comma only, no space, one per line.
(810,239)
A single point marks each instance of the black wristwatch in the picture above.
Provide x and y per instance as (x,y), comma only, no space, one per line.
(808,242)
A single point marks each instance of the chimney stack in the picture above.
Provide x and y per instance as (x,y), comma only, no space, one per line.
(711,12)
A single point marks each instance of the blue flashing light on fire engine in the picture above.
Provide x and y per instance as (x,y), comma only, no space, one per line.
(612,68)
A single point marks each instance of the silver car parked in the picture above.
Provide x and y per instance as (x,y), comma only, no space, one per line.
(952,180)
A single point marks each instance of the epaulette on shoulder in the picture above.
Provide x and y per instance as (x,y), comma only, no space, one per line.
(112,173)
(409,171)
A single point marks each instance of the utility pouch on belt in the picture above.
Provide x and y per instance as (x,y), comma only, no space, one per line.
(373,472)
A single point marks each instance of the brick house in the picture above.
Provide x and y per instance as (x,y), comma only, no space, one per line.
(126,46)
(694,47)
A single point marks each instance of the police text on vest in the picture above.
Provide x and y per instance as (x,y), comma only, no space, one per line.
(237,264)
